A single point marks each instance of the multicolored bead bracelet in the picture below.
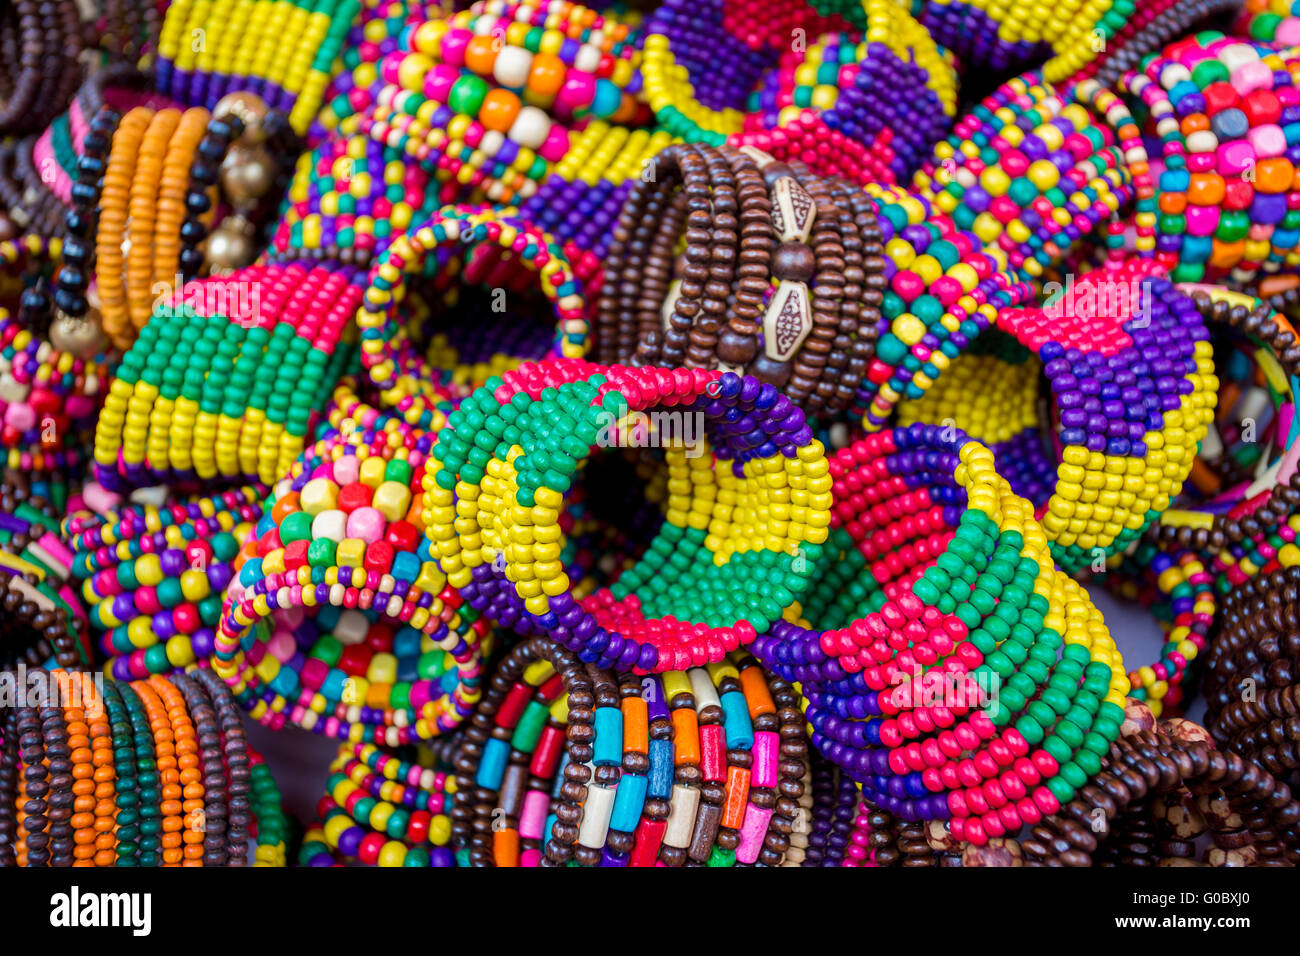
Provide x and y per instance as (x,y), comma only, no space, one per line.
(968,641)
(494,491)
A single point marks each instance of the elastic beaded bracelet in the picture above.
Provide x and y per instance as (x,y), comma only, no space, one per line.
(118,776)
(1264,504)
(535,425)
(286,56)
(738,756)
(272,363)
(944,289)
(518,753)
(154,577)
(1011,617)
(1180,591)
(341,533)
(1037,186)
(1219,106)
(383,811)
(468,228)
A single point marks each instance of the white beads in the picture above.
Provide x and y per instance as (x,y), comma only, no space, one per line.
(530,127)
(512,66)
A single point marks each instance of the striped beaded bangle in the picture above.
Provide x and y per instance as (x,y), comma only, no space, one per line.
(505,460)
(1029,680)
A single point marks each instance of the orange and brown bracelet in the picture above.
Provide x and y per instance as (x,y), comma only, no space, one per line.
(190,770)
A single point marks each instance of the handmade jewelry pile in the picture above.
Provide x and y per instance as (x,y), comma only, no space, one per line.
(650,434)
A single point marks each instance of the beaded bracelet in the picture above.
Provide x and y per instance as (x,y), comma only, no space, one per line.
(1250,673)
(944,289)
(1129,400)
(1179,589)
(272,362)
(1252,817)
(1219,106)
(107,774)
(1004,35)
(1038,185)
(154,577)
(43,42)
(1015,596)
(1267,502)
(35,568)
(737,772)
(694,100)
(721,535)
(340,532)
(469,228)
(285,55)
(811,335)
(382,811)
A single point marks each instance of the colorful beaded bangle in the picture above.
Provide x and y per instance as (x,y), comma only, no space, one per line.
(338,533)
(468,228)
(961,587)
(738,762)
(1038,185)
(154,577)
(944,289)
(228,378)
(382,811)
(1180,591)
(1131,376)
(534,425)
(282,50)
(1264,504)
(1220,108)
(522,745)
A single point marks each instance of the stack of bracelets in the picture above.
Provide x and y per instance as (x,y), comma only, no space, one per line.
(154,772)
(566,764)
(47,624)
(650,433)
